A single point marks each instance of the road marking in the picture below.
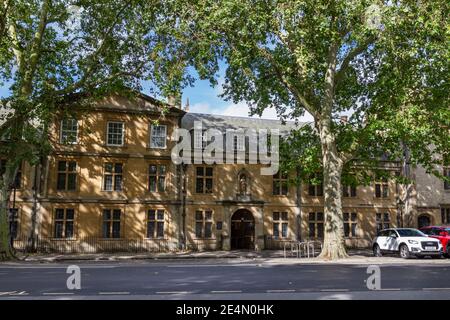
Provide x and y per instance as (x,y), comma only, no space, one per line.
(435,289)
(387,289)
(334,290)
(57,293)
(280,291)
(224,291)
(7,293)
(114,293)
(173,292)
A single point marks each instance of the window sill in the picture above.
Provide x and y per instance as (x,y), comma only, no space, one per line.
(63,239)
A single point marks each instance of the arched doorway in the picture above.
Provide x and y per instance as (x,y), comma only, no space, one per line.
(423,221)
(242,230)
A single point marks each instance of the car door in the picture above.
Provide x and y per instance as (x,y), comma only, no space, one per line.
(392,241)
(382,239)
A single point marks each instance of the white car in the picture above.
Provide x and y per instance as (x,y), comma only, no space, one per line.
(407,242)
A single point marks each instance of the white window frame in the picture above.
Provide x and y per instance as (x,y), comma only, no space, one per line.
(61,132)
(107,133)
(165,136)
(239,142)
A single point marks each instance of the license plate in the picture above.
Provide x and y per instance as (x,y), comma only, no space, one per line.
(430,248)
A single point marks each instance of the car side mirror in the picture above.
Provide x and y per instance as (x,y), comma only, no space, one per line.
(393,235)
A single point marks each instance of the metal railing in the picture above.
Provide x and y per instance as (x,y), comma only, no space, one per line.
(94,245)
(306,249)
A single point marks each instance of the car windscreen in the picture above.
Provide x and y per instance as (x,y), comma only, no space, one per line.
(448,230)
(410,233)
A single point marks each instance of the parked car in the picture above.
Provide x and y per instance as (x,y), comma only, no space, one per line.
(406,242)
(442,233)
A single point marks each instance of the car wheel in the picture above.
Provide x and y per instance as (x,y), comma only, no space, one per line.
(377,251)
(436,257)
(404,251)
(420,257)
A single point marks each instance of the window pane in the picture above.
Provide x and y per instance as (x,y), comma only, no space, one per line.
(69,214)
(209,172)
(319,216)
(353,216)
(284,188)
(208,215)
(109,167)
(353,191)
(198,215)
(276,188)
(106,229)
(59,214)
(353,229)
(118,182)
(160,214)
(312,190)
(150,229)
(320,230)
(72,166)
(312,216)
(161,184)
(378,191)
(386,217)
(284,230)
(320,190)
(346,229)
(116,214)
(276,216)
(61,166)
(71,181)
(276,231)
(61,182)
(162,170)
(108,185)
(200,171)
(385,191)
(199,185)
(208,185)
(69,229)
(116,229)
(58,229)
(208,230)
(106,214)
(152,169)
(198,229)
(312,230)
(346,216)
(284,216)
(152,183)
(118,168)
(151,214)
(378,217)
(160,229)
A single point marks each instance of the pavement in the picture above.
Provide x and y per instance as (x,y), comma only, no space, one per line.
(356,256)
(229,279)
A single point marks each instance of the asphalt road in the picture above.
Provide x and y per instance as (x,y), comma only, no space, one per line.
(222,279)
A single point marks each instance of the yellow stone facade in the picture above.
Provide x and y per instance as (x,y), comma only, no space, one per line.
(295,213)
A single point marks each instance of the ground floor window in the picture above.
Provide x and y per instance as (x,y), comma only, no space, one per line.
(111,223)
(445,215)
(383,221)
(203,224)
(315,221)
(155,223)
(350,224)
(64,219)
(280,224)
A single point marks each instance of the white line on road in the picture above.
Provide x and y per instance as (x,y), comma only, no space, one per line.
(280,291)
(334,290)
(224,291)
(427,289)
(114,293)
(388,289)
(7,293)
(173,292)
(57,293)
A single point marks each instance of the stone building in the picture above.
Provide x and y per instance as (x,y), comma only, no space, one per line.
(110,183)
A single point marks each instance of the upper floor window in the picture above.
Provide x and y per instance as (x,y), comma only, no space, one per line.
(67,176)
(155,223)
(111,223)
(112,180)
(447,175)
(203,224)
(69,131)
(158,136)
(280,184)
(239,142)
(382,188)
(445,215)
(315,224)
(350,223)
(280,225)
(157,178)
(349,191)
(315,190)
(18,179)
(204,179)
(383,221)
(64,223)
(115,133)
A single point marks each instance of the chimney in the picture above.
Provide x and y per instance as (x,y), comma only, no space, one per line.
(344,119)
(174,100)
(186,107)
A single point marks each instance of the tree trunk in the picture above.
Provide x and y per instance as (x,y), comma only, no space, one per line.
(334,242)
(6,252)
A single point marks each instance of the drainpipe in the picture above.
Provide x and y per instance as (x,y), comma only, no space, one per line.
(33,233)
(298,218)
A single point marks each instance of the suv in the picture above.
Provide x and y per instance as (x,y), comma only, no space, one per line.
(442,234)
(407,242)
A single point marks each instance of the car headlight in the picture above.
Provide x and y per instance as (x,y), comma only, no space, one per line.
(413,241)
